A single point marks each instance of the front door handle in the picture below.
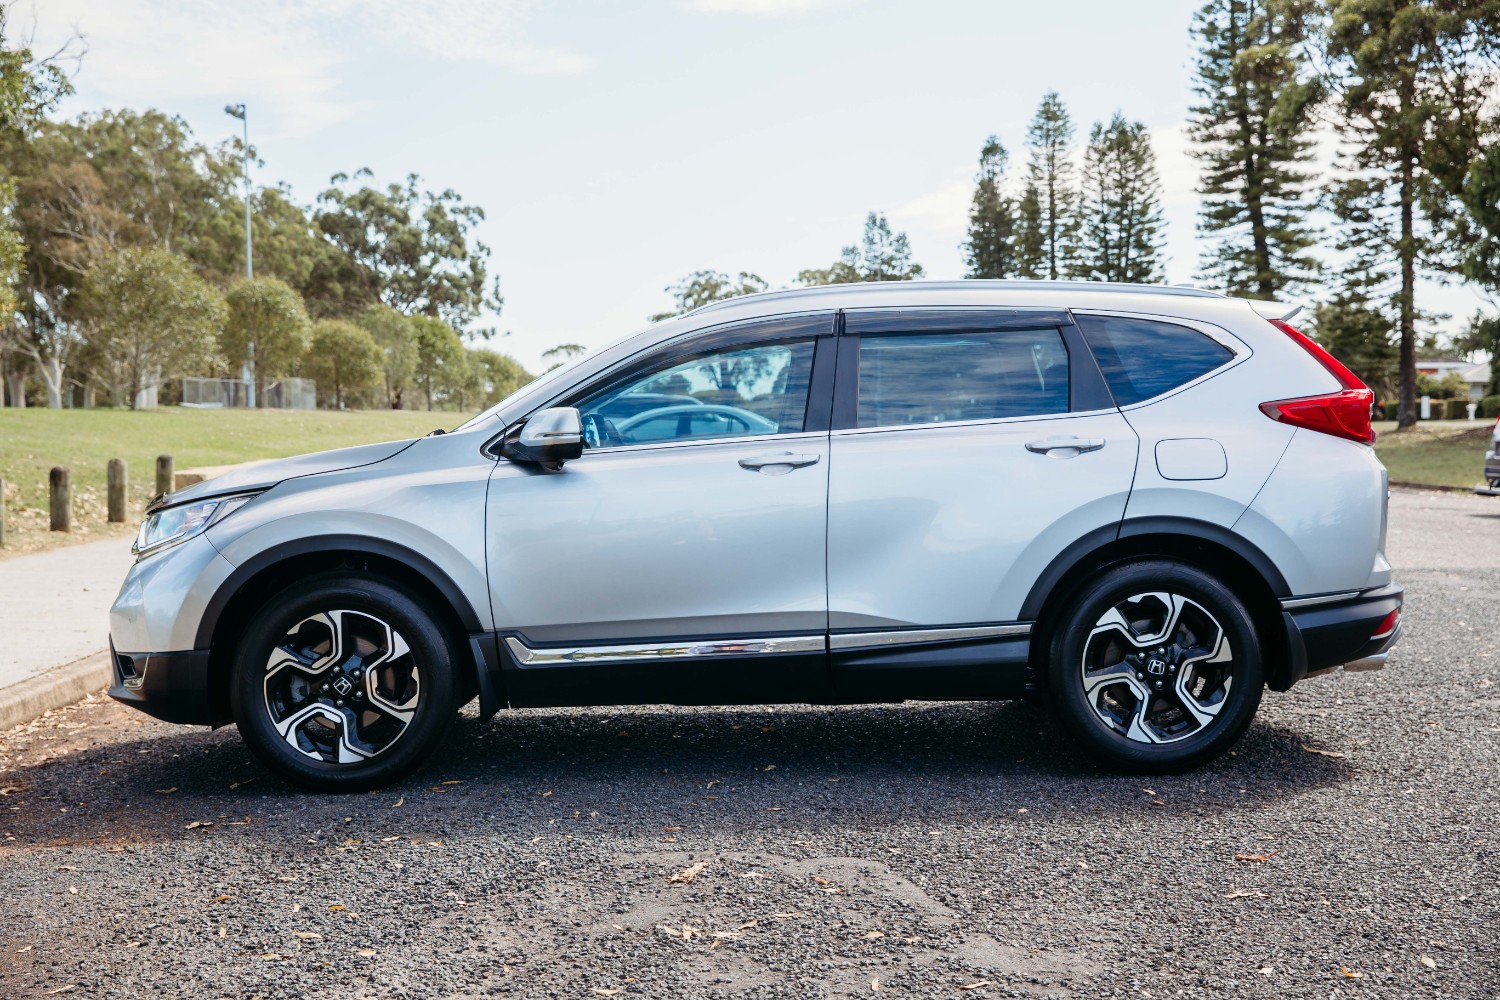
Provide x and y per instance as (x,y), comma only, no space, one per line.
(785,458)
(1075,445)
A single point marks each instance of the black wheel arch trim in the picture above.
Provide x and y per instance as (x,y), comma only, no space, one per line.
(1090,543)
(358,544)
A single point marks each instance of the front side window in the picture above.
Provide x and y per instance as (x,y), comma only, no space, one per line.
(1143,358)
(733,392)
(931,378)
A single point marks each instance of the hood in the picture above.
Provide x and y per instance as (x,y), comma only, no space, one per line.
(263,475)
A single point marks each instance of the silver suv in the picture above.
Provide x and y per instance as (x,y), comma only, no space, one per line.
(1145,504)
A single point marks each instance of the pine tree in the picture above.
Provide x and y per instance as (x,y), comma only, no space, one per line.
(1031,240)
(1120,230)
(1355,324)
(1252,127)
(880,256)
(1050,139)
(1419,75)
(990,250)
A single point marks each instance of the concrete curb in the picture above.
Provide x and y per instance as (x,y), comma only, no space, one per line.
(20,703)
(1430,487)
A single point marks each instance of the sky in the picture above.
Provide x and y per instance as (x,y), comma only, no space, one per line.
(617,146)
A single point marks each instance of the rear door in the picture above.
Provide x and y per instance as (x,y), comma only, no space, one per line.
(969,448)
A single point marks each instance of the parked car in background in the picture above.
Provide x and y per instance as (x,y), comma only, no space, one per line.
(1143,504)
(1492,464)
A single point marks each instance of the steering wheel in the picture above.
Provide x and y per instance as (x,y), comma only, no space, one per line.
(600,432)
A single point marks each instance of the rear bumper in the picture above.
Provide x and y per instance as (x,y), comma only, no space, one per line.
(1491,475)
(171,686)
(1349,632)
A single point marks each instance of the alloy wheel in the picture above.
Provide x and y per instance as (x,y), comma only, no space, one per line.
(1157,668)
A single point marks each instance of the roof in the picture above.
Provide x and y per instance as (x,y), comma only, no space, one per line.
(885,288)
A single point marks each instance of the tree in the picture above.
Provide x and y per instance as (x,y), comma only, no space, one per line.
(556,357)
(266,313)
(702,287)
(1031,238)
(990,251)
(149,317)
(1252,129)
(1418,74)
(881,256)
(1355,324)
(410,249)
(1481,259)
(493,376)
(1120,232)
(441,361)
(1050,171)
(397,339)
(343,359)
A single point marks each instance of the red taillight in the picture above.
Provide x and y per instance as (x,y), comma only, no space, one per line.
(1344,414)
(1387,625)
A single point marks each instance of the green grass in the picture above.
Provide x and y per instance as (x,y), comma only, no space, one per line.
(32,441)
(1438,452)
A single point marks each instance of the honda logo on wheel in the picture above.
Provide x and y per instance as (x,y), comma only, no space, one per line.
(1155,666)
(343,686)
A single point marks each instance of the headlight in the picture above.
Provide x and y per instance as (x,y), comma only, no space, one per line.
(171,525)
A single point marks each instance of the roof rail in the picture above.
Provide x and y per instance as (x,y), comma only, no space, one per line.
(967,284)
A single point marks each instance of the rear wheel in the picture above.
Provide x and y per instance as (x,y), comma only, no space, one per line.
(1157,668)
(343,684)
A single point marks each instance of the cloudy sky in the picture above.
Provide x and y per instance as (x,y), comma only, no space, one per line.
(619,145)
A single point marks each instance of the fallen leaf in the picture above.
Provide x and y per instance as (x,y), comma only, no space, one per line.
(1242,893)
(456,781)
(709,787)
(223,932)
(747,925)
(270,956)
(1428,962)
(221,899)
(366,952)
(72,890)
(165,791)
(775,809)
(875,985)
(1324,753)
(602,992)
(1265,970)
(671,828)
(784,916)
(769,767)
(688,875)
(199,824)
(1150,791)
(1350,973)
(872,935)
(336,907)
(310,935)
(62,989)
(1258,858)
(975,986)
(399,802)
(547,795)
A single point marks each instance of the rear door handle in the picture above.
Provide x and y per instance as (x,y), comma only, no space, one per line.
(1076,445)
(785,458)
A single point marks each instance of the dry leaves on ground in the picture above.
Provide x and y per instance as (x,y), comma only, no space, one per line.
(1324,753)
(688,875)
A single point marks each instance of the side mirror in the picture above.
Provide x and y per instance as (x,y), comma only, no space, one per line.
(549,438)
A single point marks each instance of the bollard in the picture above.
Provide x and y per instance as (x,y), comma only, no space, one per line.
(61,489)
(165,473)
(2,513)
(117,474)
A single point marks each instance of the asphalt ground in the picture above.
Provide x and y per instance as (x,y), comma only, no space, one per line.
(1348,847)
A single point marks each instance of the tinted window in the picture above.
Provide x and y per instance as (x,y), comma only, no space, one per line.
(938,377)
(1142,358)
(735,392)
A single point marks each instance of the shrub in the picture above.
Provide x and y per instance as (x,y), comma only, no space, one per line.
(1489,406)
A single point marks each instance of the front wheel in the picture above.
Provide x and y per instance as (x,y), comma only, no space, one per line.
(1156,668)
(343,683)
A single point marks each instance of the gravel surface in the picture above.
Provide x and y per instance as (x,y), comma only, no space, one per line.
(1347,848)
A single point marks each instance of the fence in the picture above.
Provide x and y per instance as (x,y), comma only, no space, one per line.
(219,393)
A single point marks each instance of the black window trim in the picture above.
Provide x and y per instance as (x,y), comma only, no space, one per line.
(1239,350)
(1087,391)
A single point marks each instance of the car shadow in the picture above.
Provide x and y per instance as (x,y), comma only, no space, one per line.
(638,770)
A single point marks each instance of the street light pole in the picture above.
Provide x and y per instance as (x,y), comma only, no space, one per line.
(238,111)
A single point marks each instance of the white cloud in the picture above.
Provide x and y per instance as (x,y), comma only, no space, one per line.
(763,8)
(287,58)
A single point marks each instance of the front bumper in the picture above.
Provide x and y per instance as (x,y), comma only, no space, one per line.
(1491,475)
(1349,633)
(171,686)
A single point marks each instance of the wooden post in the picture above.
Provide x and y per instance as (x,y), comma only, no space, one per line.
(2,513)
(118,476)
(165,473)
(60,481)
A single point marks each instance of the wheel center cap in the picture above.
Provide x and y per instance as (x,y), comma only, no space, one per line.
(344,685)
(1156,666)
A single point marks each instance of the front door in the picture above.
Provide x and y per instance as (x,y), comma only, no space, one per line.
(969,448)
(681,558)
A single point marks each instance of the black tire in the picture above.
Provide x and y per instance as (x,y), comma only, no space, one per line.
(289,666)
(1175,730)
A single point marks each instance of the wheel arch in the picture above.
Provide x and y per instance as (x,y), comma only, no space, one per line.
(1247,571)
(254,581)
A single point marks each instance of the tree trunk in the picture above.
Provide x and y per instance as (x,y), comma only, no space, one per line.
(15,383)
(1406,407)
(52,378)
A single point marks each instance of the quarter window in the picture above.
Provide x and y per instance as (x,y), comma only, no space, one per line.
(1142,358)
(931,378)
(735,392)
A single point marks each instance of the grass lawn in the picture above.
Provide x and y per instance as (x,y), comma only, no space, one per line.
(32,441)
(1437,452)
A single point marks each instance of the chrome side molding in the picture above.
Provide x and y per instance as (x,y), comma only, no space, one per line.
(1292,603)
(529,657)
(860,640)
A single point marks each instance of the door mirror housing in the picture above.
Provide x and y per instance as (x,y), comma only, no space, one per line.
(548,438)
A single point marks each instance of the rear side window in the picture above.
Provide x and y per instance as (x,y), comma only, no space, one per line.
(1142,358)
(927,378)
